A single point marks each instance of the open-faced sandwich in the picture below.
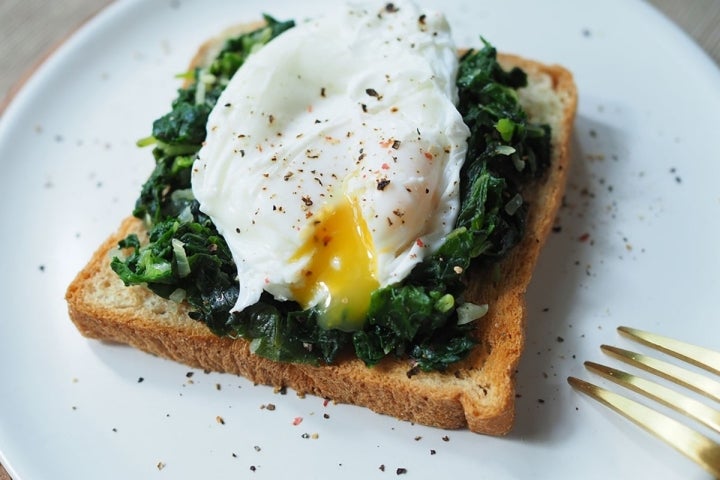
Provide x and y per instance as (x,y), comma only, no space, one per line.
(348,206)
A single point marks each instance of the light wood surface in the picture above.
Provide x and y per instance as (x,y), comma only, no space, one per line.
(31,29)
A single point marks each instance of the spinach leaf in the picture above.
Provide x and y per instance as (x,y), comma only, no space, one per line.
(417,318)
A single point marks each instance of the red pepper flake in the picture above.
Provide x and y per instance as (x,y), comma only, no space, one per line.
(419,243)
(326,402)
(584,237)
(428,155)
(385,166)
(297,421)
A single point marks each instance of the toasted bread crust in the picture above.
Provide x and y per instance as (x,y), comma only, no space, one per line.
(477,393)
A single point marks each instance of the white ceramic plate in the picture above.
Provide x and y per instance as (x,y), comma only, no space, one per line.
(637,245)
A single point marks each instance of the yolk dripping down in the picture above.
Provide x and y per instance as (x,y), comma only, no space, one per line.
(342,267)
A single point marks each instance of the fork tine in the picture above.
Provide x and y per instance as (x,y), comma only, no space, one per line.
(670,398)
(690,443)
(682,376)
(693,354)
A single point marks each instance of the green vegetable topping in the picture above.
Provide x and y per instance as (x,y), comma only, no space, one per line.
(423,317)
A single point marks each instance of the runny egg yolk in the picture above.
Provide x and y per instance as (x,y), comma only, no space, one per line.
(342,268)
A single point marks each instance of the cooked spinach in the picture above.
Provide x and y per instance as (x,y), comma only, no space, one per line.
(186,259)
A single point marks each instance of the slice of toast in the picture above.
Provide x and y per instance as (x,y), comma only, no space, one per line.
(477,393)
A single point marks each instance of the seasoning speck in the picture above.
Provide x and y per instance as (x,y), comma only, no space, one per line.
(160,465)
(381,184)
(401,471)
(220,420)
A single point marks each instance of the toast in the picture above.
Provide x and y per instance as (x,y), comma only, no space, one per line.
(476,393)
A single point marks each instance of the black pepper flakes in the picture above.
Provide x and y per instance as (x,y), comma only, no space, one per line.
(396,144)
(391,8)
(373,93)
(383,183)
(401,471)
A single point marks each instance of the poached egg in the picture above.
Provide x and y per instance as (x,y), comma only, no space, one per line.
(332,158)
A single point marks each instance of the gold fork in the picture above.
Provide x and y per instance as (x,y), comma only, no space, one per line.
(698,447)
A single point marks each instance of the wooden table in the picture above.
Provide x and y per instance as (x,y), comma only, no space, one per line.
(31,28)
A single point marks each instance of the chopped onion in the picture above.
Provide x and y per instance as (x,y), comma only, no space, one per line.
(178,295)
(518,162)
(183,265)
(514,204)
(504,150)
(468,312)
